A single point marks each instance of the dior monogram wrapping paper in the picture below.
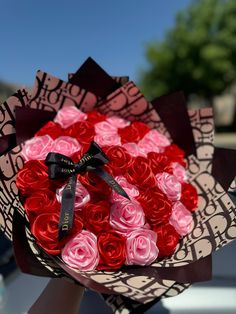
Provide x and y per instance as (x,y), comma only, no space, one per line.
(90,88)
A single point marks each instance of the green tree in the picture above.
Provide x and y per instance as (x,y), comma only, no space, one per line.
(198,55)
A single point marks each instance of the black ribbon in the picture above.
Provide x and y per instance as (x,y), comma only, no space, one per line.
(61,166)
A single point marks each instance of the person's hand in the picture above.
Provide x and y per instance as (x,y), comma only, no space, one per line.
(60,296)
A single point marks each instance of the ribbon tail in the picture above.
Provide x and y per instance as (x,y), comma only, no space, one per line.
(67,207)
(110,181)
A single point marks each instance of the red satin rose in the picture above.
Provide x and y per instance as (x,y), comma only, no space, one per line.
(168,169)
(52,129)
(119,159)
(140,173)
(156,206)
(97,188)
(41,202)
(96,216)
(95,117)
(167,239)
(134,132)
(45,229)
(33,177)
(175,154)
(158,162)
(111,247)
(189,196)
(83,131)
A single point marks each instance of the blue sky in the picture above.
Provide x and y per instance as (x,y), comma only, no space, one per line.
(57,36)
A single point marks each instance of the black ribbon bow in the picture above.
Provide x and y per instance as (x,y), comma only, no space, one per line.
(61,166)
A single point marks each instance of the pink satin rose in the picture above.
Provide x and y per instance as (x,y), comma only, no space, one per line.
(105,128)
(169,185)
(37,148)
(107,139)
(68,116)
(66,145)
(118,122)
(81,251)
(181,219)
(141,247)
(153,141)
(129,188)
(126,216)
(179,172)
(82,196)
(134,150)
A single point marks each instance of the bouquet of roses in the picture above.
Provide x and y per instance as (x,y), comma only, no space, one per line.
(132,219)
(97,181)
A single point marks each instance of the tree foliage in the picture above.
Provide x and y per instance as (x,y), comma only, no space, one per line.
(198,55)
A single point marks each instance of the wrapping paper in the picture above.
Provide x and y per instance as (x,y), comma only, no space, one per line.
(131,289)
